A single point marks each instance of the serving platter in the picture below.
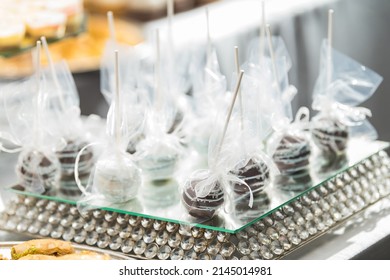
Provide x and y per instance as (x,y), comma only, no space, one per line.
(294,221)
(5,250)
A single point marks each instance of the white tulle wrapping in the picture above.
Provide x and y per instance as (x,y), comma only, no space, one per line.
(350,85)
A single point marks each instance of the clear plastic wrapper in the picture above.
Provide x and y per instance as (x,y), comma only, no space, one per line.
(342,85)
(175,78)
(208,96)
(204,193)
(38,171)
(264,62)
(131,59)
(159,152)
(66,122)
(27,110)
(116,178)
(208,190)
(132,80)
(252,164)
(288,144)
(270,88)
(291,148)
(161,147)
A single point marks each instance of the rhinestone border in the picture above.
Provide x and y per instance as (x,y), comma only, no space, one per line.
(287,229)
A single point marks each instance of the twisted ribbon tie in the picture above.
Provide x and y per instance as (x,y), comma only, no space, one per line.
(302,118)
(347,115)
(301,121)
(351,116)
(280,122)
(149,146)
(268,161)
(283,125)
(10,138)
(289,94)
(207,180)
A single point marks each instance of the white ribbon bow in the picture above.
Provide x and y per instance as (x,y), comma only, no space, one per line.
(347,115)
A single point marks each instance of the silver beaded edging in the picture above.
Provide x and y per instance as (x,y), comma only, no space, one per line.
(289,228)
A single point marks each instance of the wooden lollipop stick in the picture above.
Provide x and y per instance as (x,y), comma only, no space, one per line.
(329,49)
(38,64)
(273,59)
(37,114)
(53,72)
(117,101)
(111,25)
(170,13)
(171,46)
(157,73)
(262,33)
(208,35)
(237,62)
(230,112)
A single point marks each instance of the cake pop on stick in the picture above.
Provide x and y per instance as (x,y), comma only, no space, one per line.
(342,84)
(289,144)
(159,151)
(329,134)
(67,122)
(204,192)
(116,177)
(37,169)
(252,165)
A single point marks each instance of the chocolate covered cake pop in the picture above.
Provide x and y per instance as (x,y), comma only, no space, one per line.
(330,135)
(38,171)
(292,159)
(204,193)
(202,207)
(255,174)
(67,158)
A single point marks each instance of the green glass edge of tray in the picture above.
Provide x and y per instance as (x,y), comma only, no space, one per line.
(381,146)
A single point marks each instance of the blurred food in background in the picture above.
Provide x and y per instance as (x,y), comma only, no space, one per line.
(82,52)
